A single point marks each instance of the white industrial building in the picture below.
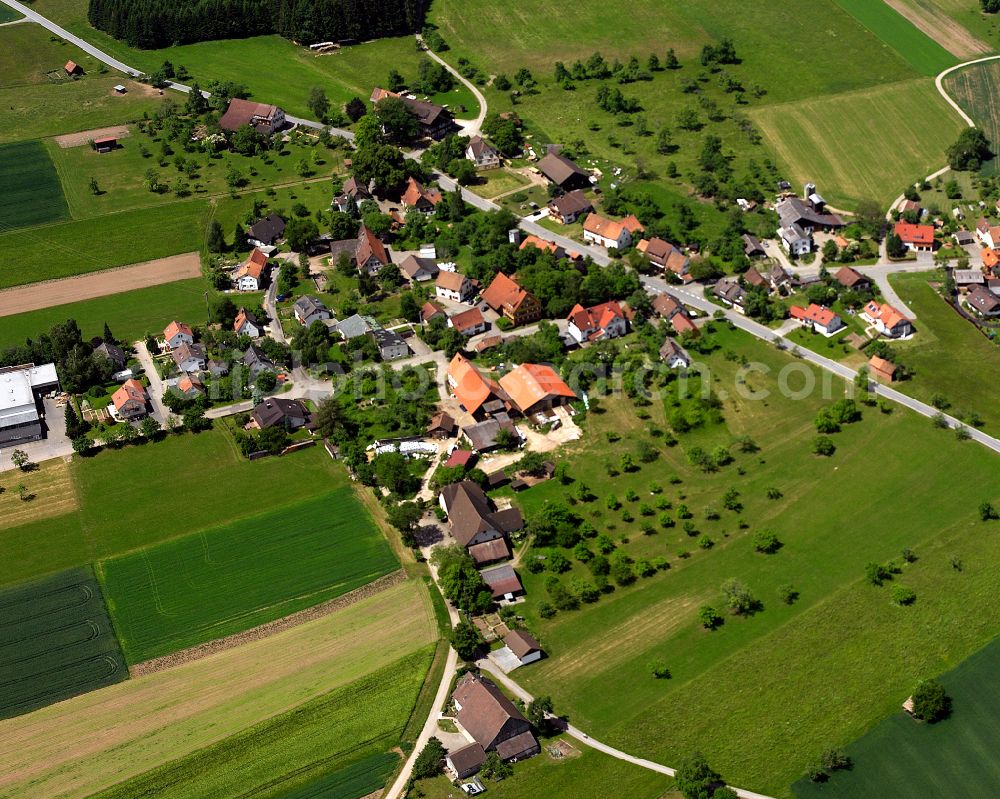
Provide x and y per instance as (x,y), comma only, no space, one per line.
(20,387)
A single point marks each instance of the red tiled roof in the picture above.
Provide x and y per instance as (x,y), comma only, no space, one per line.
(814,313)
(541,244)
(918,235)
(467,320)
(505,292)
(470,387)
(596,318)
(174,328)
(531,383)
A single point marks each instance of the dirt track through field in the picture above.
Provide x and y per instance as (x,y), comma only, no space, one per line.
(36,296)
(77,139)
(938,26)
(271,628)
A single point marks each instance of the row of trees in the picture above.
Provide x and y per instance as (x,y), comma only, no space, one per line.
(151,24)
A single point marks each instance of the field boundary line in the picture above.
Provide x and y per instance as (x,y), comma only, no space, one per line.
(300,617)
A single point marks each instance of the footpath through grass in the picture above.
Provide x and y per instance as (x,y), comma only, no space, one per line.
(841,645)
(905,759)
(228,579)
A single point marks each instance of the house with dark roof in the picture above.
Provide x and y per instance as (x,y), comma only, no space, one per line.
(491,719)
(731,293)
(674,355)
(483,154)
(442,425)
(390,344)
(466,761)
(256,361)
(264,232)
(563,172)
(473,517)
(752,248)
(279,412)
(852,279)
(261,117)
(435,120)
(309,309)
(113,353)
(503,582)
(506,296)
(485,436)
(983,301)
(355,325)
(523,646)
(189,357)
(352,194)
(567,208)
(664,255)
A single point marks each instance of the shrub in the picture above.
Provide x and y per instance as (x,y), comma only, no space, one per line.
(787,593)
(774,493)
(705,542)
(987,512)
(876,573)
(930,702)
(709,617)
(823,445)
(557,563)
(738,597)
(766,541)
(901,595)
(658,668)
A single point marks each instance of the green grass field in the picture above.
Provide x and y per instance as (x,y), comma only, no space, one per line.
(344,728)
(29,54)
(62,249)
(948,355)
(919,50)
(228,579)
(131,314)
(831,518)
(8,15)
(32,192)
(904,759)
(818,139)
(974,89)
(131,481)
(56,642)
(587,775)
(358,779)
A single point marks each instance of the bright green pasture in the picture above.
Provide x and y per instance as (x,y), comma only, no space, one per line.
(842,644)
(228,579)
(905,759)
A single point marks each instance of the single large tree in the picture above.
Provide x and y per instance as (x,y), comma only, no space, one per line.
(318,102)
(970,150)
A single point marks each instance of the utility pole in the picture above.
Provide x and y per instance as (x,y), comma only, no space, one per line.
(208,313)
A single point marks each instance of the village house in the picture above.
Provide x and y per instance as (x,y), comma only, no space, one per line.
(983,301)
(543,244)
(465,761)
(523,646)
(965,279)
(852,279)
(988,234)
(417,197)
(567,208)
(887,320)
(752,248)
(129,400)
(991,259)
(963,238)
(882,370)
(817,318)
(435,120)
(485,436)
(442,425)
(533,388)
(483,154)
(469,323)
(352,194)
(670,308)
(391,346)
(189,357)
(674,355)
(503,582)
(355,326)
(731,293)
(917,238)
(506,296)
(430,311)
(478,395)
(664,255)
(474,519)
(417,270)
(564,173)
(370,254)
(177,333)
(309,309)
(609,233)
(599,322)
(278,412)
(266,231)
(454,286)
(491,719)
(799,219)
(190,386)
(252,273)
(246,324)
(261,117)
(114,353)
(256,361)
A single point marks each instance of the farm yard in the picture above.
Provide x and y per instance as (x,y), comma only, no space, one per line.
(904,759)
(32,193)
(228,579)
(94,741)
(828,515)
(947,345)
(912,43)
(57,642)
(817,140)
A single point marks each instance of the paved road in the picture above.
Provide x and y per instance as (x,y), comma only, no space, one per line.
(470,127)
(486,665)
(160,411)
(694,299)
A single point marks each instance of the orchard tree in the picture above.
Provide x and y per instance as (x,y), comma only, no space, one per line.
(318,103)
(930,702)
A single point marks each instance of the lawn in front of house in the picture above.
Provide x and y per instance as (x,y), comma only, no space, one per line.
(828,514)
(950,358)
(493,182)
